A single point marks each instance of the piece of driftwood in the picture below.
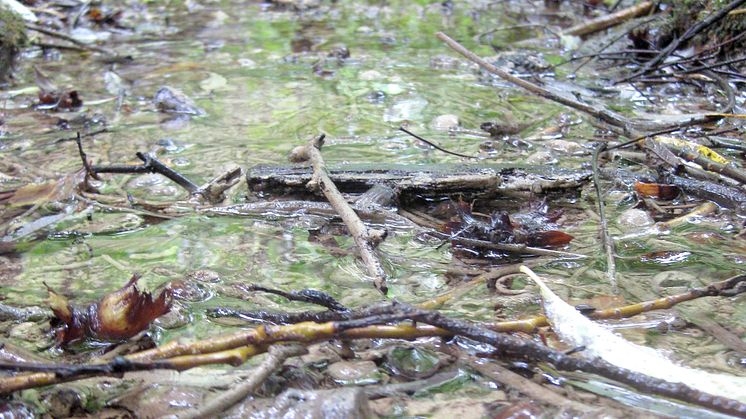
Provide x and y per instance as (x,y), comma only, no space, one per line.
(426,180)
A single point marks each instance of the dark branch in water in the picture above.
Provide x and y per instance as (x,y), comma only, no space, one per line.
(307,296)
(151,164)
(435,146)
(84,158)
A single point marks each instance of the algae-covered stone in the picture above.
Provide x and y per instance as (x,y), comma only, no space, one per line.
(12,39)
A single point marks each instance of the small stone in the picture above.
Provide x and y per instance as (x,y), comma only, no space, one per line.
(405,109)
(354,372)
(445,122)
(674,279)
(170,100)
(566,147)
(176,317)
(632,220)
(31,332)
(369,75)
(541,157)
(203,275)
(444,62)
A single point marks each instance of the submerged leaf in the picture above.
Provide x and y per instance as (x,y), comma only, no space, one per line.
(118,315)
(579,331)
(657,190)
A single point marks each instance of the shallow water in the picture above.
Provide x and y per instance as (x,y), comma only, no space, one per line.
(262,98)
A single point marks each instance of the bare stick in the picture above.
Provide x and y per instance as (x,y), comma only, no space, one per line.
(151,164)
(604,115)
(435,146)
(607,21)
(321,181)
(502,375)
(607,242)
(307,296)
(84,157)
(57,34)
(276,357)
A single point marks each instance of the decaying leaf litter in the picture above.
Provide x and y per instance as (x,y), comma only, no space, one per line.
(500,176)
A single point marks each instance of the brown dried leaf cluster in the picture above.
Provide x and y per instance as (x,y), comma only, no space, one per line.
(117,316)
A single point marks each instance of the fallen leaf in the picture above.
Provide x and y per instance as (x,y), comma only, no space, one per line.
(117,316)
(579,331)
(657,190)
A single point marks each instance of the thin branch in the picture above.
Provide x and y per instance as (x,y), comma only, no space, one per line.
(607,21)
(363,238)
(84,158)
(605,238)
(61,35)
(307,296)
(509,345)
(151,164)
(156,166)
(604,115)
(435,146)
(277,356)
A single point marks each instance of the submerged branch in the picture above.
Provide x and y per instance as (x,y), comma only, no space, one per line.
(276,356)
(608,243)
(364,239)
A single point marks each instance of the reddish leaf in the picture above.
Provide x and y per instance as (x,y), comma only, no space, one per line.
(119,315)
(657,190)
(549,238)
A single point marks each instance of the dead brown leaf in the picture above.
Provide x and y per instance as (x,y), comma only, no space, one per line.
(117,316)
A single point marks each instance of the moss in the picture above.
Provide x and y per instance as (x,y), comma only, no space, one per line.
(12,39)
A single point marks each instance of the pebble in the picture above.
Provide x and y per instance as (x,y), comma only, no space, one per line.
(541,157)
(369,75)
(673,282)
(632,220)
(445,122)
(353,371)
(566,147)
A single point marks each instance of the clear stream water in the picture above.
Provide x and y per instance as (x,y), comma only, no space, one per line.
(252,69)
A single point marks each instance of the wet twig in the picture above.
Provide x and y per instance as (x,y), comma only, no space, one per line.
(535,391)
(393,390)
(151,164)
(61,35)
(277,355)
(84,157)
(608,243)
(307,296)
(364,238)
(435,146)
(604,115)
(728,170)
(518,249)
(25,314)
(607,21)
